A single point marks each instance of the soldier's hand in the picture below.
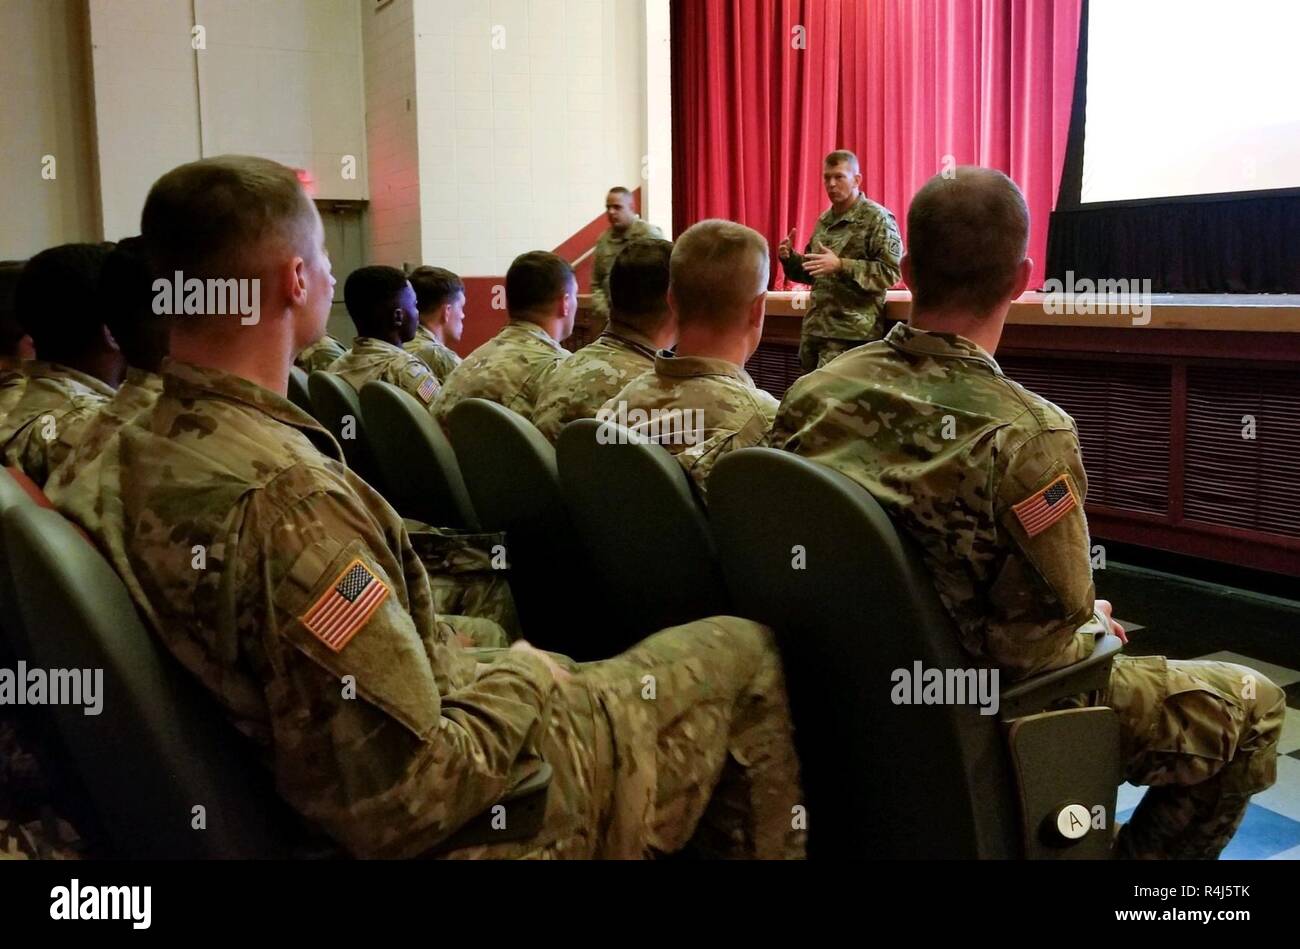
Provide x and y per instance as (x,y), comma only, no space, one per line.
(823,263)
(557,672)
(786,250)
(1105,609)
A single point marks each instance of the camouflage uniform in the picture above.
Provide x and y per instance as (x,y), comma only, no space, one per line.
(50,418)
(608,248)
(953,450)
(432,737)
(510,369)
(373,360)
(848,308)
(433,353)
(733,411)
(591,377)
(13,382)
(318,356)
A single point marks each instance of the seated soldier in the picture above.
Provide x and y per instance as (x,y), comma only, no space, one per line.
(126,300)
(701,403)
(320,355)
(640,325)
(15,344)
(440,298)
(78,362)
(512,367)
(310,577)
(382,305)
(988,478)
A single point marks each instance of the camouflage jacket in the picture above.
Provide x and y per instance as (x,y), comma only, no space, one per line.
(291,590)
(986,476)
(434,354)
(13,381)
(591,377)
(608,248)
(851,303)
(48,421)
(510,369)
(137,394)
(698,408)
(320,354)
(373,360)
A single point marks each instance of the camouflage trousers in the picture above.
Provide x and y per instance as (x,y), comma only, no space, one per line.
(1203,735)
(469,594)
(817,351)
(31,827)
(681,743)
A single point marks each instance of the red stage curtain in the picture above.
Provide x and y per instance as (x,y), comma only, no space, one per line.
(903,83)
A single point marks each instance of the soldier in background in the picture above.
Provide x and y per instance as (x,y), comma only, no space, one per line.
(625,226)
(78,362)
(641,324)
(988,478)
(440,299)
(320,355)
(311,583)
(701,401)
(514,366)
(850,262)
(381,303)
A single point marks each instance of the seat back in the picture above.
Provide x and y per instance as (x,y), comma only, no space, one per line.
(160,747)
(416,461)
(12,638)
(299,391)
(645,533)
(338,408)
(514,484)
(809,552)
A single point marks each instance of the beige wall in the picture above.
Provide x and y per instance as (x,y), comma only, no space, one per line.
(45,110)
(519,140)
(277,78)
(388,37)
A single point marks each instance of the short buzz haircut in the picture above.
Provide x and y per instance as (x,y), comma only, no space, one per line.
(126,299)
(57,302)
(434,286)
(638,284)
(718,268)
(619,189)
(370,295)
(211,219)
(536,280)
(966,236)
(843,157)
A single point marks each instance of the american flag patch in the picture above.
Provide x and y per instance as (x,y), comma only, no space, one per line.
(428,388)
(339,615)
(1045,507)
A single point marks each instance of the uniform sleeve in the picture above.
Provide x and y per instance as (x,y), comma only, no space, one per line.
(420,382)
(881,269)
(1043,591)
(363,743)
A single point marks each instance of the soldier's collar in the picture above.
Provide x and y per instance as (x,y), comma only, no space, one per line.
(369,342)
(939,345)
(40,369)
(689,367)
(828,217)
(632,337)
(524,327)
(183,380)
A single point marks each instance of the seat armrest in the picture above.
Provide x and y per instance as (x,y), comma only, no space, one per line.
(1041,691)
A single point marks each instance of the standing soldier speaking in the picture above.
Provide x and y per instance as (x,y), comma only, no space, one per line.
(850,262)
